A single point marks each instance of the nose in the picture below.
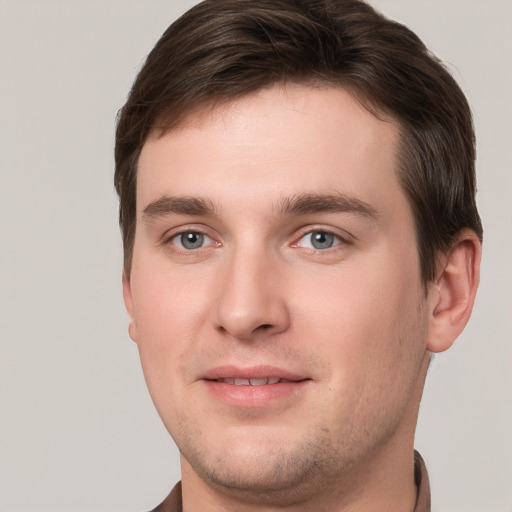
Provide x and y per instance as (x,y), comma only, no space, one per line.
(251,302)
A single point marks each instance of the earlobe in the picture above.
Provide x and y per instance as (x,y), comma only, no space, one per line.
(128,303)
(453,294)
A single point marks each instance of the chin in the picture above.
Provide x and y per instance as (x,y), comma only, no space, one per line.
(279,469)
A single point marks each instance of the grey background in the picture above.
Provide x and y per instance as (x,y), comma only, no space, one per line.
(77,428)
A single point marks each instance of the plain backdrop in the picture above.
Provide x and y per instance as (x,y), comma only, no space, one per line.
(78,431)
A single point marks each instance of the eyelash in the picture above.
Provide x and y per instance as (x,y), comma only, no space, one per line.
(338,240)
(176,236)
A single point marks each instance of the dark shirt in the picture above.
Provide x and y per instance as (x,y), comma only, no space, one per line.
(173,502)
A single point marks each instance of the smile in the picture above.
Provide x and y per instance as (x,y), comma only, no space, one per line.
(251,382)
(255,387)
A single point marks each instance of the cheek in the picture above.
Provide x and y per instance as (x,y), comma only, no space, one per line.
(371,334)
(365,320)
(167,304)
(169,309)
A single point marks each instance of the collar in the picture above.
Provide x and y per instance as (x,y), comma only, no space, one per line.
(422,484)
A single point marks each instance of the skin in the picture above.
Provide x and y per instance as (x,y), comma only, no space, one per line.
(350,317)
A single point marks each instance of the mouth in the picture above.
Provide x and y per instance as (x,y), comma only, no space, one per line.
(254,387)
(252,382)
(262,375)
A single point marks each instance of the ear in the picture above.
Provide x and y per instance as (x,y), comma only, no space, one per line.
(128,303)
(452,296)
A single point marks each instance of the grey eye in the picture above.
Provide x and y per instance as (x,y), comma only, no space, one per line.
(319,240)
(191,240)
(322,240)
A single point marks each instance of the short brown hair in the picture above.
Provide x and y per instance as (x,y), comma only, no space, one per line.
(223,49)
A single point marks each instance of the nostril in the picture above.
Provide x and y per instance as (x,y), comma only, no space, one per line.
(264,327)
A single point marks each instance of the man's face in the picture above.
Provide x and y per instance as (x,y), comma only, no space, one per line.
(274,247)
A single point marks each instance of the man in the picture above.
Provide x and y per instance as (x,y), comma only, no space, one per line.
(297,201)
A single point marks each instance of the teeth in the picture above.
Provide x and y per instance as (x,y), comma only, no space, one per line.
(249,382)
(258,382)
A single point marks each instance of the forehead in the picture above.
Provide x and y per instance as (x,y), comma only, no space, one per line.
(280,141)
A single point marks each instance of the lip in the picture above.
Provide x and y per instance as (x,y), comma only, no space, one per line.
(288,388)
(253,372)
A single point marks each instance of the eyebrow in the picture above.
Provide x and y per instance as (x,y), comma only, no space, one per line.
(327,203)
(182,205)
(297,205)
